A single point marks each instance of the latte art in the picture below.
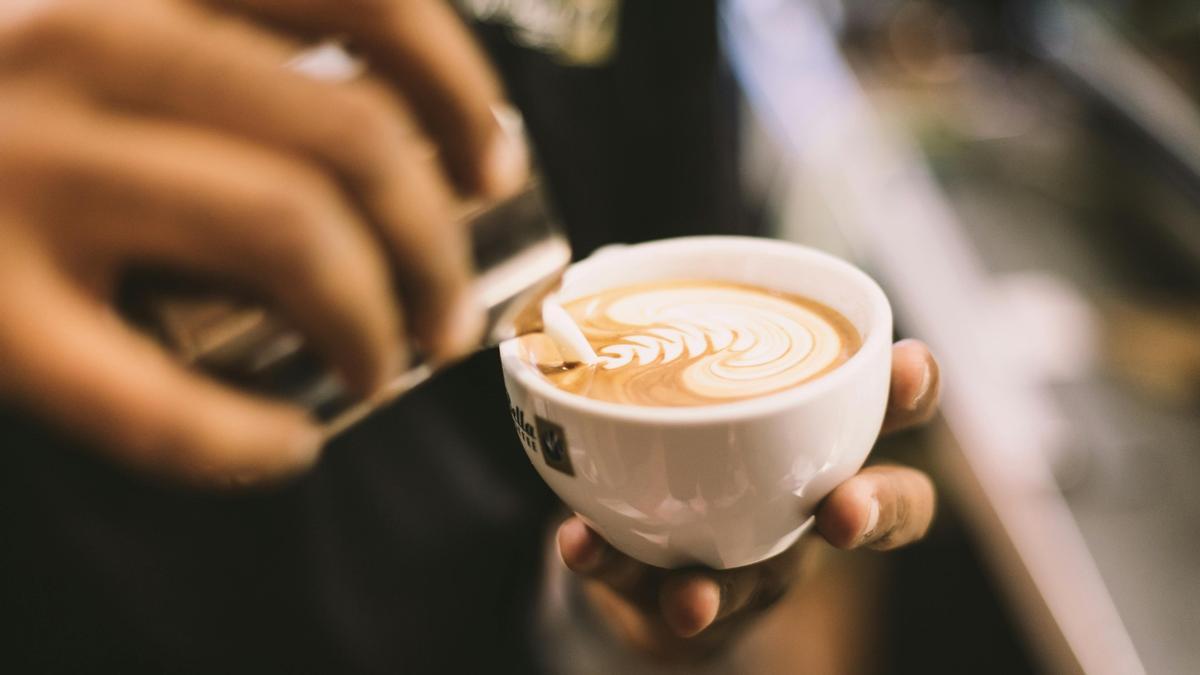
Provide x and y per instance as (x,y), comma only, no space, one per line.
(692,343)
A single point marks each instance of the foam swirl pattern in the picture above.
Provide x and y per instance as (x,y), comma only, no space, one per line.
(701,342)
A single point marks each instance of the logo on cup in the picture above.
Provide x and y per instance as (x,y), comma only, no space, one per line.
(553,443)
(525,430)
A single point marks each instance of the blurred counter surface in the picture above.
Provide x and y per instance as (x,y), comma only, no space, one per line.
(1025,178)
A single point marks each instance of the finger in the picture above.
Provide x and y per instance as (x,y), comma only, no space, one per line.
(883,507)
(70,360)
(227,74)
(188,198)
(690,602)
(588,555)
(687,597)
(425,48)
(915,387)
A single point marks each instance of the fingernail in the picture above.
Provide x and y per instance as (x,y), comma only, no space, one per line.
(506,165)
(868,530)
(463,330)
(923,390)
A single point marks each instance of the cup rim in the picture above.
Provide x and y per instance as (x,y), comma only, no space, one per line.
(879,321)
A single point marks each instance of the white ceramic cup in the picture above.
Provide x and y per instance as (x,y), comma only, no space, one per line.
(724,485)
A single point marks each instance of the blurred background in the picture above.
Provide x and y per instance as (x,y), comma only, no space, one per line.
(1024,178)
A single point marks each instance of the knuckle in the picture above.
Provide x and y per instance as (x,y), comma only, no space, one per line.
(17,158)
(45,28)
(884,543)
(287,199)
(367,113)
(369,126)
(291,218)
(370,13)
(765,597)
(311,235)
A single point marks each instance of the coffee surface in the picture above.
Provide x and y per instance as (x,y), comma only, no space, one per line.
(692,343)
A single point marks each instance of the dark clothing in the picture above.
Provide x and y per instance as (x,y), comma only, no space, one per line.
(416,544)
(414,547)
(645,147)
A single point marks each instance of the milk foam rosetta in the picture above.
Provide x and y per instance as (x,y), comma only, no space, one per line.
(687,343)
